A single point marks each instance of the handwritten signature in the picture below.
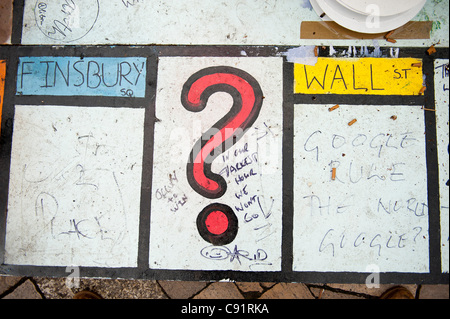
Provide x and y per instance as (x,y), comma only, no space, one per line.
(223,253)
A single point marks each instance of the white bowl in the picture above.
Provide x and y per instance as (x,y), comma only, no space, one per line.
(386,7)
(365,23)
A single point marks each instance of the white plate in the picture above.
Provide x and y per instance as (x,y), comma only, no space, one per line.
(319,10)
(386,7)
(358,22)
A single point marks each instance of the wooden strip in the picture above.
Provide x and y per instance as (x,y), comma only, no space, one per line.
(6,13)
(333,31)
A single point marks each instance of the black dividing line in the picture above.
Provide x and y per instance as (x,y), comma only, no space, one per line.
(432,171)
(376,100)
(9,54)
(17,21)
(82,101)
(147,166)
(288,167)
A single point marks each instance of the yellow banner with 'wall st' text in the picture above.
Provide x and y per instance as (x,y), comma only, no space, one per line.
(368,76)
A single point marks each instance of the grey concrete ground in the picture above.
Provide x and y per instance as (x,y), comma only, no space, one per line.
(58,288)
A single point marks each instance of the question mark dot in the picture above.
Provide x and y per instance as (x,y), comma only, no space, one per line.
(217,222)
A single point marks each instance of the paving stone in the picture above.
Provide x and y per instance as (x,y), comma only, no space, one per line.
(220,290)
(6,282)
(27,290)
(124,289)
(267,285)
(6,9)
(321,293)
(363,289)
(181,289)
(250,287)
(434,292)
(56,288)
(288,291)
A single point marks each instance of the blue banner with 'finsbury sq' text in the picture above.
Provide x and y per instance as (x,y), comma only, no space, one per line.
(87,76)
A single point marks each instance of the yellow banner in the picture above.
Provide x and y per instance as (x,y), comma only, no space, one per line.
(371,76)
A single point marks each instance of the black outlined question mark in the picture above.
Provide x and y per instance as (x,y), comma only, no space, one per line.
(217,223)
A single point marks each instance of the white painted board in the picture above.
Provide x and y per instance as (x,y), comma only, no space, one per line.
(252,169)
(74,191)
(441,87)
(374,214)
(197,22)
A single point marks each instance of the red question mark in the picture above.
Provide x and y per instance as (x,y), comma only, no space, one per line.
(217,223)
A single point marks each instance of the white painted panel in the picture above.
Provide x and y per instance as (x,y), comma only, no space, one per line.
(163,22)
(238,22)
(442,102)
(74,191)
(375,211)
(251,168)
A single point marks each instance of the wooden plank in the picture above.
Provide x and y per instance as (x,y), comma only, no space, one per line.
(333,31)
(6,9)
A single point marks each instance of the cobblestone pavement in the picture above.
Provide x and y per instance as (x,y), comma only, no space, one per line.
(58,288)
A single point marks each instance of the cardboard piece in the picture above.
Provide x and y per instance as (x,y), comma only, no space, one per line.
(333,31)
(6,13)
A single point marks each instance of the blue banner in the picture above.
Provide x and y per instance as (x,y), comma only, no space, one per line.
(75,76)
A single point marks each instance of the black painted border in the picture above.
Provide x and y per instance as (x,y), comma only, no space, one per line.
(142,271)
